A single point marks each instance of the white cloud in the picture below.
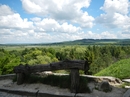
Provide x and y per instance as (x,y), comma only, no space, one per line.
(46,25)
(14,21)
(67,10)
(114,20)
(116,15)
(5,10)
(85,20)
(5,32)
(15,29)
(107,35)
(12,26)
(36,19)
(102,35)
(31,7)
(119,6)
(51,25)
(9,19)
(63,20)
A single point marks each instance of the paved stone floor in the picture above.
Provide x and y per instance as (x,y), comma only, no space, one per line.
(9,85)
(5,94)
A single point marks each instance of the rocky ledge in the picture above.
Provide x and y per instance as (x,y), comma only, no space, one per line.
(103,87)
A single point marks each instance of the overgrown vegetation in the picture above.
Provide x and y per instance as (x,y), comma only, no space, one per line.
(99,57)
(120,69)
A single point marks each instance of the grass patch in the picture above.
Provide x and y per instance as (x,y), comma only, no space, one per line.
(120,69)
(125,84)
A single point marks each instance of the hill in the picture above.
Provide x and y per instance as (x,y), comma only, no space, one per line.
(95,42)
(79,42)
(120,69)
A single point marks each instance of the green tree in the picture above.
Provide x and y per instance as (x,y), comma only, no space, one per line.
(8,68)
(97,65)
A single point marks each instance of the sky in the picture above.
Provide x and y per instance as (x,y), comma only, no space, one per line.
(49,21)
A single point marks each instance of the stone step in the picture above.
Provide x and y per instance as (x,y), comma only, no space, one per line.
(126,80)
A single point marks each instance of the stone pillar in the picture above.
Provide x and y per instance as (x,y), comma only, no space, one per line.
(74,74)
(20,78)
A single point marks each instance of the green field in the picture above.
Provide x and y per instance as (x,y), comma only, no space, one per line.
(19,47)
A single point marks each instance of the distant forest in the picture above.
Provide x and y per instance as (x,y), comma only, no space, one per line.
(99,57)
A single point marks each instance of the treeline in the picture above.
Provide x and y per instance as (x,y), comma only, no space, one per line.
(99,57)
